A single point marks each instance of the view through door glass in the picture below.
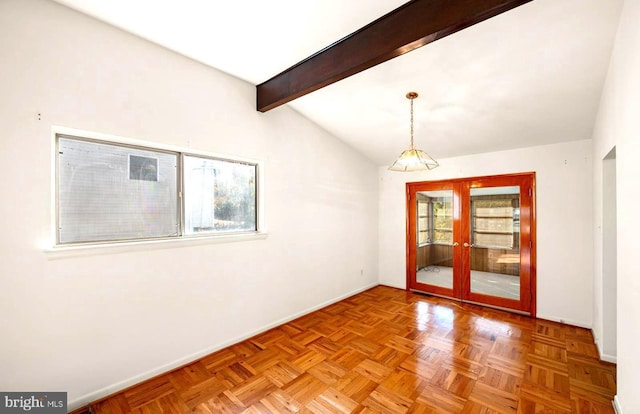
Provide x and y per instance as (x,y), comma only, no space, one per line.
(434,234)
(473,239)
(495,241)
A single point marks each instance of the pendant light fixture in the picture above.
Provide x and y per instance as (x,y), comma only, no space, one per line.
(413,159)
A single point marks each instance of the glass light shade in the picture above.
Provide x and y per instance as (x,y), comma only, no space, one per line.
(414,160)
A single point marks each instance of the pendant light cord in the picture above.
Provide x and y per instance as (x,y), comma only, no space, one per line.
(411,99)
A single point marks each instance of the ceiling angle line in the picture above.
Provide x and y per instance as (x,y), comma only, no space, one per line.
(410,26)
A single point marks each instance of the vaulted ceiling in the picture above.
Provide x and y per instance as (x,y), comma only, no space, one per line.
(530,76)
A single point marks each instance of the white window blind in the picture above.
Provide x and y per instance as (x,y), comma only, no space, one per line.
(111,192)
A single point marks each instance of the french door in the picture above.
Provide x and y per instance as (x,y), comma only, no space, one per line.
(473,239)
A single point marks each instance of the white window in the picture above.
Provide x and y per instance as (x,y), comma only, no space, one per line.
(220,196)
(435,218)
(425,219)
(108,191)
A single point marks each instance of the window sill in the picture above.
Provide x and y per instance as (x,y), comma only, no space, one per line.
(59,252)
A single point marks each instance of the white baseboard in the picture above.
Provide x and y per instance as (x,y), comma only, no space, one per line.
(392,285)
(119,386)
(616,405)
(565,321)
(598,344)
(603,357)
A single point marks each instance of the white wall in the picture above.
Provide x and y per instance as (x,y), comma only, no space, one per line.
(564,220)
(606,342)
(90,324)
(618,124)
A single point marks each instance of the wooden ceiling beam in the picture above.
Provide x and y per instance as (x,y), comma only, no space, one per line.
(410,26)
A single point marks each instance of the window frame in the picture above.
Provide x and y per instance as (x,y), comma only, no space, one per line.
(474,231)
(429,217)
(180,152)
(183,215)
(431,229)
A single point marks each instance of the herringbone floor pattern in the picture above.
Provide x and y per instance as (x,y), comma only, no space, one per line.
(390,351)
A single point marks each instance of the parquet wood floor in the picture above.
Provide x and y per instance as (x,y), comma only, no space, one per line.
(390,351)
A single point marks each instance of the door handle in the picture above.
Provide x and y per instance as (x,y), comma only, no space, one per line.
(455,244)
(467,244)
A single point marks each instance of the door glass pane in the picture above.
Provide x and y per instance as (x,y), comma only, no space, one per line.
(495,241)
(434,258)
